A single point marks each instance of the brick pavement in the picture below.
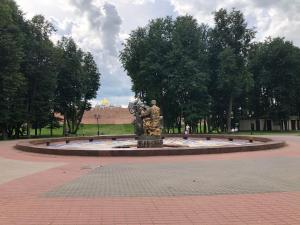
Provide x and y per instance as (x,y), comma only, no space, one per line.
(36,199)
(245,176)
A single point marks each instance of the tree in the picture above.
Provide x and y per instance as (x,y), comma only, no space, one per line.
(78,82)
(229,48)
(275,66)
(12,81)
(29,67)
(132,56)
(189,70)
(144,57)
(166,60)
(40,68)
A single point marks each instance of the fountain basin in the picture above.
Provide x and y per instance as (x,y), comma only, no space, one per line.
(125,145)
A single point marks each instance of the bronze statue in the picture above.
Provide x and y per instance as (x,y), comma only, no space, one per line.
(151,120)
(147,119)
(136,108)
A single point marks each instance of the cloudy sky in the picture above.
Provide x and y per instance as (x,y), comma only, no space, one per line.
(100,26)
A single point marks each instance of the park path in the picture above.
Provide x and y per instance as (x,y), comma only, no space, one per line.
(237,188)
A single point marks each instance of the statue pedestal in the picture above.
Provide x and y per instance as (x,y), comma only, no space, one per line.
(149,142)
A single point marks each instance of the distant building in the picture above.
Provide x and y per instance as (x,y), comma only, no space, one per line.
(104,103)
(108,115)
(292,124)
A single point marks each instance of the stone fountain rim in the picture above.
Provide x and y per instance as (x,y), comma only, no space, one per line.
(260,143)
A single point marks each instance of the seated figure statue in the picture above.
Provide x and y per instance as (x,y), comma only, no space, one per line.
(147,124)
(151,120)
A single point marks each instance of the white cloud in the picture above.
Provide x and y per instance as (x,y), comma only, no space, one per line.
(111,28)
(100,26)
(271,18)
(95,26)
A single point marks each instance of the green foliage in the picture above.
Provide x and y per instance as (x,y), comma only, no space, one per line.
(40,69)
(207,77)
(32,71)
(275,65)
(78,82)
(191,69)
(229,46)
(212,76)
(166,62)
(12,81)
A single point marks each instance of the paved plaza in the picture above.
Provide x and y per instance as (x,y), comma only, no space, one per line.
(235,188)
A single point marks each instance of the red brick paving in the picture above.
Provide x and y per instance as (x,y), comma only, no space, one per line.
(279,208)
(21,200)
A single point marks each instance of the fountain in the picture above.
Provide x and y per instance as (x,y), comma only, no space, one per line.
(147,124)
(148,140)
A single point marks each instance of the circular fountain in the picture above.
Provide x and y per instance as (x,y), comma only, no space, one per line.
(148,140)
(126,145)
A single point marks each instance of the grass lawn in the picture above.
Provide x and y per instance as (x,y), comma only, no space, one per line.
(91,130)
(118,129)
(268,133)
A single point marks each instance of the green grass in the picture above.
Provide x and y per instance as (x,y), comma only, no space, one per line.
(92,129)
(106,129)
(268,133)
(114,129)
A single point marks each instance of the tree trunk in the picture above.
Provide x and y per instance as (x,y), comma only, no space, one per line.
(35,129)
(69,130)
(200,126)
(10,132)
(179,125)
(51,127)
(65,126)
(17,131)
(179,128)
(229,114)
(208,125)
(4,134)
(28,129)
(79,118)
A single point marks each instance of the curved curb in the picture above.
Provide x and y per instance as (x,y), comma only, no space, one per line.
(264,144)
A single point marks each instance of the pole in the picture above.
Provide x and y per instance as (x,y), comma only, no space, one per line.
(98,126)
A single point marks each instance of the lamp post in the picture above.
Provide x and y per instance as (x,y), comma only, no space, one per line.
(51,122)
(97,117)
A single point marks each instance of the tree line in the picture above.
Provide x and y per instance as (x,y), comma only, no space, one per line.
(39,78)
(212,75)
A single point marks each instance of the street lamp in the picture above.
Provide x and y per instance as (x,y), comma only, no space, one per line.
(97,117)
(51,122)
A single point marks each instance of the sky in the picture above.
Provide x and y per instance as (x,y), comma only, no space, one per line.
(101,26)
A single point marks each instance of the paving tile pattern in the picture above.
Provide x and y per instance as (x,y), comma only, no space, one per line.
(245,176)
(13,169)
(24,201)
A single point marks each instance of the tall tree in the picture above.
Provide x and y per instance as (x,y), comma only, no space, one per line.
(275,65)
(40,68)
(166,60)
(189,70)
(144,57)
(29,65)
(12,82)
(78,82)
(230,45)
